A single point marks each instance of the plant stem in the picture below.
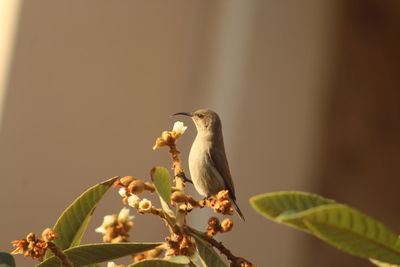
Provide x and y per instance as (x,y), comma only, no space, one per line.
(237,261)
(179,182)
(60,255)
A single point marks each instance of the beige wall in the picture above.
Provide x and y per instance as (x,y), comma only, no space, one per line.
(93,84)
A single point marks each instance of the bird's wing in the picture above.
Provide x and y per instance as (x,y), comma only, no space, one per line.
(220,162)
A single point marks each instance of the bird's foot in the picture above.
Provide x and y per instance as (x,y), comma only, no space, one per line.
(183,176)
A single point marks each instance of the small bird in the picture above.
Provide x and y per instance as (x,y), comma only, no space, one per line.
(209,169)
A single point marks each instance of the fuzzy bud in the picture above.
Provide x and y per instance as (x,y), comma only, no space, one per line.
(160,142)
(124,216)
(133,201)
(213,226)
(31,237)
(165,135)
(109,220)
(101,230)
(49,235)
(226,225)
(222,195)
(213,222)
(145,205)
(122,192)
(126,180)
(136,187)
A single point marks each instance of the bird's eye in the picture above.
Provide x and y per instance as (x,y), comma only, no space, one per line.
(200,116)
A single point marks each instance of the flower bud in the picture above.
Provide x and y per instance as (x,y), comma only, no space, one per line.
(49,235)
(126,180)
(31,237)
(213,227)
(109,220)
(226,203)
(122,192)
(222,195)
(213,222)
(136,187)
(160,142)
(226,225)
(133,201)
(101,230)
(124,216)
(218,207)
(145,205)
(165,135)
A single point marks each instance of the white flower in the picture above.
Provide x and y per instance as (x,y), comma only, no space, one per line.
(133,201)
(179,129)
(122,191)
(145,205)
(123,215)
(111,264)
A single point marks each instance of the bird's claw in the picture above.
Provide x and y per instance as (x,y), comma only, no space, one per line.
(183,176)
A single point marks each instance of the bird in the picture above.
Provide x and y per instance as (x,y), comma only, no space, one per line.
(208,165)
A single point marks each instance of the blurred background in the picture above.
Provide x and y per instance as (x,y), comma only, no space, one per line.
(308,93)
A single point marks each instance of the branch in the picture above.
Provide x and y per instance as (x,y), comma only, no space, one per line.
(60,255)
(236,261)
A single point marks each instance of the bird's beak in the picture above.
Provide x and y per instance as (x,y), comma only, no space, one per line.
(184,113)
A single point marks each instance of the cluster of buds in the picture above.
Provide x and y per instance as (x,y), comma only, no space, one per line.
(133,185)
(221,204)
(168,138)
(115,228)
(34,247)
(129,191)
(180,245)
(214,226)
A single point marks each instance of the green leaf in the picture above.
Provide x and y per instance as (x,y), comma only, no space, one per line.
(207,254)
(195,262)
(172,262)
(162,181)
(278,204)
(74,220)
(6,259)
(95,253)
(351,231)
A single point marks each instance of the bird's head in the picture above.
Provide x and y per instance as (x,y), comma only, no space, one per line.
(205,120)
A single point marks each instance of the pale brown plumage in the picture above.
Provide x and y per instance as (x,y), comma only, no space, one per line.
(209,168)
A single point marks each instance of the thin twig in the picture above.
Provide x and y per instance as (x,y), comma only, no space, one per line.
(237,261)
(176,165)
(60,255)
(179,181)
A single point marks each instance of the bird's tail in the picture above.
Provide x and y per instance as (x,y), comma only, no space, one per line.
(238,210)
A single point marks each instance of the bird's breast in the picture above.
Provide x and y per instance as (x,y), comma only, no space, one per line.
(205,177)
